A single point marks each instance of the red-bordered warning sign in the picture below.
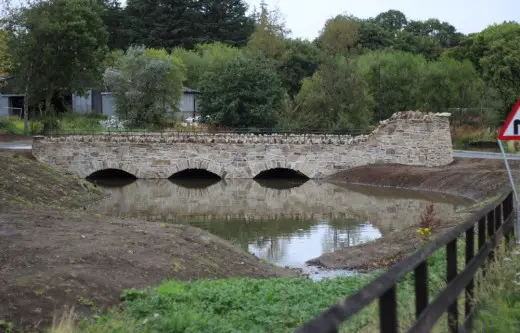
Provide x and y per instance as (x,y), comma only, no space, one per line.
(511,128)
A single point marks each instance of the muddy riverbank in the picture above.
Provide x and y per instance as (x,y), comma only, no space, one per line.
(55,254)
(476,179)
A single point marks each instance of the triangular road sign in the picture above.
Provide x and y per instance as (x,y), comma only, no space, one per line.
(511,128)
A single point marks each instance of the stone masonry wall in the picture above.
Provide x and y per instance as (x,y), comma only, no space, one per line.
(410,138)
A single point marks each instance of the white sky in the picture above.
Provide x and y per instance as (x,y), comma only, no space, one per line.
(305,18)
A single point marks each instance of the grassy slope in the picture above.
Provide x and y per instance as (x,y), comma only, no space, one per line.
(26,183)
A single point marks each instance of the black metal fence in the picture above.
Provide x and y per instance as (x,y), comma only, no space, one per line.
(489,226)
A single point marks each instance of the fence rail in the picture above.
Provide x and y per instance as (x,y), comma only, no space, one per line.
(207,131)
(492,222)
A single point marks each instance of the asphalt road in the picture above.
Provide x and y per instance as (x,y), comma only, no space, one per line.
(483,154)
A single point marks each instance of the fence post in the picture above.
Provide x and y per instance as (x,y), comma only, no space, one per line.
(451,258)
(470,252)
(491,230)
(388,311)
(421,288)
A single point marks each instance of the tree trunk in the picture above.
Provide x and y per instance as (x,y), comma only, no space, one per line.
(26,104)
(49,116)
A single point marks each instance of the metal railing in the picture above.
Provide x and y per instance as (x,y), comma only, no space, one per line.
(494,221)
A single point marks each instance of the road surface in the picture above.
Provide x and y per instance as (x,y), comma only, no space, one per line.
(483,154)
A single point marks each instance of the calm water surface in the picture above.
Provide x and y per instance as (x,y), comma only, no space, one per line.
(284,222)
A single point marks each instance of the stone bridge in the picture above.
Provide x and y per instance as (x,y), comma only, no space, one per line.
(410,138)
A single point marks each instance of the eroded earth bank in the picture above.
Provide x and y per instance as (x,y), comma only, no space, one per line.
(55,254)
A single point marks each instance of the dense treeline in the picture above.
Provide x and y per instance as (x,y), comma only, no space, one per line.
(250,73)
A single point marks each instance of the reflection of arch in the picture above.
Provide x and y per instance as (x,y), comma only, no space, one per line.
(197,163)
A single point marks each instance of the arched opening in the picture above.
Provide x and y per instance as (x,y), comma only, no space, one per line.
(111,178)
(194,178)
(281,173)
(280,178)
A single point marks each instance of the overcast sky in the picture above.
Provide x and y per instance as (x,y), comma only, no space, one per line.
(305,18)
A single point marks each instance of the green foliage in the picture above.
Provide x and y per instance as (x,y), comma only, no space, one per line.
(147,85)
(339,36)
(5,61)
(267,40)
(449,83)
(7,126)
(241,93)
(185,23)
(392,77)
(499,46)
(300,60)
(233,305)
(205,58)
(335,97)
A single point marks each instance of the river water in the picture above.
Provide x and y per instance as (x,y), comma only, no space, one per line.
(282,221)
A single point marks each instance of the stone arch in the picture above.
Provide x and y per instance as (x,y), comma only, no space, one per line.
(272,165)
(96,166)
(197,163)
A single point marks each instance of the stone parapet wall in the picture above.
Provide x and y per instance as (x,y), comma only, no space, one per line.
(410,138)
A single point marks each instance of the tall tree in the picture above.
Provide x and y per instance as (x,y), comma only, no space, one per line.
(499,61)
(300,60)
(5,62)
(340,35)
(393,78)
(268,38)
(335,97)
(392,20)
(59,46)
(226,21)
(147,85)
(186,23)
(241,93)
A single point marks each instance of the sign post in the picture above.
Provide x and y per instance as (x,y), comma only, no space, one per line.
(510,132)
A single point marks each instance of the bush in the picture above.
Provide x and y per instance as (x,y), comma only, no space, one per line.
(241,93)
(7,126)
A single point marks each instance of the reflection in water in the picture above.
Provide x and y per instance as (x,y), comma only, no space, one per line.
(284,226)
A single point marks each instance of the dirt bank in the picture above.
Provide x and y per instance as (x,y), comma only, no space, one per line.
(478,179)
(53,258)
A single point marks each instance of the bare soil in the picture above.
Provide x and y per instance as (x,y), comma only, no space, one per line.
(54,255)
(477,179)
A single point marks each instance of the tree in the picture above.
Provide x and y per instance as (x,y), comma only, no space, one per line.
(392,20)
(186,23)
(146,84)
(498,48)
(392,77)
(267,40)
(41,32)
(450,84)
(205,58)
(335,97)
(300,60)
(114,17)
(226,21)
(241,93)
(339,35)
(5,62)
(373,37)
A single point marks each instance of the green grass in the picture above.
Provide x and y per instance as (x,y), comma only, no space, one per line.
(499,296)
(253,305)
